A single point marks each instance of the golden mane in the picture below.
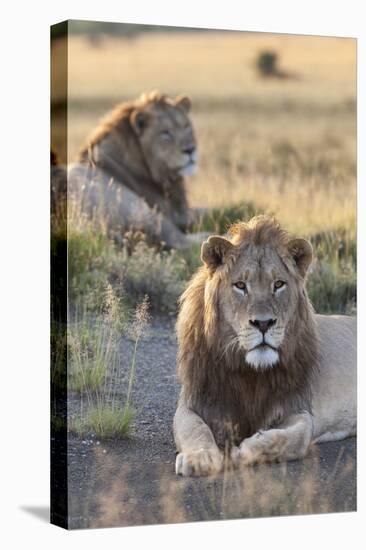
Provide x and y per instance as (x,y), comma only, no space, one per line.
(211,371)
(260,230)
(120,114)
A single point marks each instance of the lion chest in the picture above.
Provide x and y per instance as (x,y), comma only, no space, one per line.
(241,406)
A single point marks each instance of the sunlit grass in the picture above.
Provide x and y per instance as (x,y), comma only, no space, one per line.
(191,62)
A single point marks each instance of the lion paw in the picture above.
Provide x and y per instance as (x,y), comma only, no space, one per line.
(255,449)
(247,454)
(263,446)
(202,462)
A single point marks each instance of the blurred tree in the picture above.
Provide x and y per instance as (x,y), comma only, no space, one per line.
(267,66)
(267,63)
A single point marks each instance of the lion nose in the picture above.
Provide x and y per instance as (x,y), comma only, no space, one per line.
(263,326)
(189,150)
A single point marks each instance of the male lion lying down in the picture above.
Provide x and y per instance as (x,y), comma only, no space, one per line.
(130,173)
(261,374)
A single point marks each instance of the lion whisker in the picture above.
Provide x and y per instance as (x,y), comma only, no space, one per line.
(231,345)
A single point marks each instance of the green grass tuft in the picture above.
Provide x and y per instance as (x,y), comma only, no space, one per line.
(332,283)
(105,421)
(92,260)
(92,343)
(218,220)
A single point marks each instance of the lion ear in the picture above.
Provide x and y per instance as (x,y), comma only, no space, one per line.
(215,250)
(184,102)
(302,252)
(139,120)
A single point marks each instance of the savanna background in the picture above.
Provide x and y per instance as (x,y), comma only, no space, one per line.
(275,120)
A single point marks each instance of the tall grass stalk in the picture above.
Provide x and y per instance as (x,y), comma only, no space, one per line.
(95,365)
(141,319)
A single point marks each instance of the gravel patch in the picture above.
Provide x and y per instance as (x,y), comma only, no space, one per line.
(132,481)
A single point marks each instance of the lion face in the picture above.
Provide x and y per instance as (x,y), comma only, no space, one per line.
(258,285)
(166,137)
(257,302)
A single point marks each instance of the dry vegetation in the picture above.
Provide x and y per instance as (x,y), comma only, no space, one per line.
(95,367)
(285,144)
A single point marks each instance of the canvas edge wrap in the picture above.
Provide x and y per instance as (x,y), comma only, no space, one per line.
(58,304)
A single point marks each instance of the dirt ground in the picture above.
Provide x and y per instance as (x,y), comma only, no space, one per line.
(132,481)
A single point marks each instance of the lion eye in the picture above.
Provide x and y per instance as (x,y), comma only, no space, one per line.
(278,284)
(241,286)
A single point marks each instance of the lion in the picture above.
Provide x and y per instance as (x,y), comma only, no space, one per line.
(263,377)
(131,170)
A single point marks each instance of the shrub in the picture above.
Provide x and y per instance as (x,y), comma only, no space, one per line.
(267,63)
(159,274)
(332,284)
(332,288)
(335,245)
(92,259)
(218,220)
(134,269)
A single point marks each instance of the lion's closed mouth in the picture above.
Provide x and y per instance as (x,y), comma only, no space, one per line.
(189,168)
(264,345)
(191,162)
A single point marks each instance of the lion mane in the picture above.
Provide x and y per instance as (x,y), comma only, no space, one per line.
(233,399)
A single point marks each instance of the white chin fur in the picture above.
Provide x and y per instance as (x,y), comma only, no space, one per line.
(262,358)
(188,170)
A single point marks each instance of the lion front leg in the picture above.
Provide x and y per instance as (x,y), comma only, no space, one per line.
(198,453)
(289,441)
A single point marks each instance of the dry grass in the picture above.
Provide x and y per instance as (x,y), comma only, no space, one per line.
(217,64)
(287,145)
(300,167)
(260,491)
(284,146)
(96,365)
